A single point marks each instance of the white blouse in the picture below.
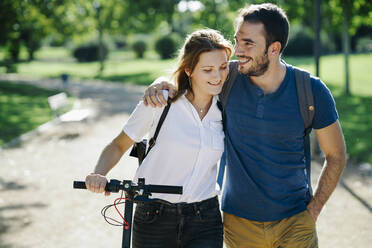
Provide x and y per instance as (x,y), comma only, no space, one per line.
(186,152)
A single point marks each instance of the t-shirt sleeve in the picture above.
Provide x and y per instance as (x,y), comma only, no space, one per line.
(325,106)
(142,120)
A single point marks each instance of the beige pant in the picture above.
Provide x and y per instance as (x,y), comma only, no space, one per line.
(297,231)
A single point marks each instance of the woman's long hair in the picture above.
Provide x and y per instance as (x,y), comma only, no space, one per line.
(198,42)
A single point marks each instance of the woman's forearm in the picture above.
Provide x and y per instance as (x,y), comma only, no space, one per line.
(112,153)
(109,157)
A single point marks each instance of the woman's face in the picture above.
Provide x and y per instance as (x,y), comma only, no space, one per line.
(210,72)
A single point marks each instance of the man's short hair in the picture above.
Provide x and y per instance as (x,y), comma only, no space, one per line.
(273,18)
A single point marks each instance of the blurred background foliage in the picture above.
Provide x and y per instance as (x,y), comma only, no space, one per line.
(35,23)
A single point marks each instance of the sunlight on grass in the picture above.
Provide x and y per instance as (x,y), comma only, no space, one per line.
(332,71)
(122,66)
(356,121)
(23,108)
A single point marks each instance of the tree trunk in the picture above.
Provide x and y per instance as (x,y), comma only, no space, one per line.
(315,149)
(100,50)
(346,5)
(14,50)
(317,43)
(100,36)
(31,54)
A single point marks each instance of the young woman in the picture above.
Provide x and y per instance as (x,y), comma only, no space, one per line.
(189,144)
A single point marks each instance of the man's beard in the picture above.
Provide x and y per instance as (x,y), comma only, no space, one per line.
(259,68)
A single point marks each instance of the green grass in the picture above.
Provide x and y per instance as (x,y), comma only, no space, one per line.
(332,71)
(123,67)
(23,108)
(134,71)
(356,121)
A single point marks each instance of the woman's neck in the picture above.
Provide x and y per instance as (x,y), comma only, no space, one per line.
(200,102)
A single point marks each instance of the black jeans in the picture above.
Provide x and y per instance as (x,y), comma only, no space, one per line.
(178,225)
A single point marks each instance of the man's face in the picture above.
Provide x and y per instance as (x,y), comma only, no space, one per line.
(250,48)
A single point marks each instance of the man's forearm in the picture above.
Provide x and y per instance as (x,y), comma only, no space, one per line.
(329,177)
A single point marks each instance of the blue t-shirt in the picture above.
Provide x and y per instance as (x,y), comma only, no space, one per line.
(264,148)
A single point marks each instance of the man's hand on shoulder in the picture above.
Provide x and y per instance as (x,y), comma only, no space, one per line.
(153,95)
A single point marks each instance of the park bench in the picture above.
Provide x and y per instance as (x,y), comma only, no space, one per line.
(58,102)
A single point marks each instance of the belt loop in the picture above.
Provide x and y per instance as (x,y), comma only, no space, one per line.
(197,210)
(161,206)
(179,209)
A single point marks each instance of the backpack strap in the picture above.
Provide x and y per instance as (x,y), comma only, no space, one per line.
(305,96)
(152,141)
(224,95)
(306,104)
(221,103)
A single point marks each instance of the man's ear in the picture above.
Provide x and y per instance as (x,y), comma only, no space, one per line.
(274,48)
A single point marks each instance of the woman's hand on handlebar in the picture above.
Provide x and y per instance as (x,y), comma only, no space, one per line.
(96,183)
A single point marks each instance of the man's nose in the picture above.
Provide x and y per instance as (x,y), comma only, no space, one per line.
(238,50)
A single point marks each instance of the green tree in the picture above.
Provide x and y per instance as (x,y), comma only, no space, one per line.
(216,15)
(347,16)
(121,17)
(341,18)
(23,23)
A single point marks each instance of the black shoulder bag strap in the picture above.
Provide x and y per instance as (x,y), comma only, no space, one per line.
(139,149)
(152,141)
(307,109)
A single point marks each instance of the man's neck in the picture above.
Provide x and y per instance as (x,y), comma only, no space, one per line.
(271,80)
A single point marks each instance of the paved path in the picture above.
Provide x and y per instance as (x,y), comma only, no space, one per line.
(39,208)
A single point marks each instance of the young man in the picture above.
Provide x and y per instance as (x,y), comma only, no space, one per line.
(267,199)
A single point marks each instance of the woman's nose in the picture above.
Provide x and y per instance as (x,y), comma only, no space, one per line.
(217,76)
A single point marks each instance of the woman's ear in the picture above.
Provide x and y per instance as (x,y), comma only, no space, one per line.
(188,72)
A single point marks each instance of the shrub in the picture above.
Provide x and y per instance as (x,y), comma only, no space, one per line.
(364,44)
(10,67)
(139,47)
(299,44)
(89,52)
(119,41)
(120,44)
(165,47)
(56,42)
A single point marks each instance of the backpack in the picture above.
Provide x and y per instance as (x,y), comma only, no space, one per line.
(305,100)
